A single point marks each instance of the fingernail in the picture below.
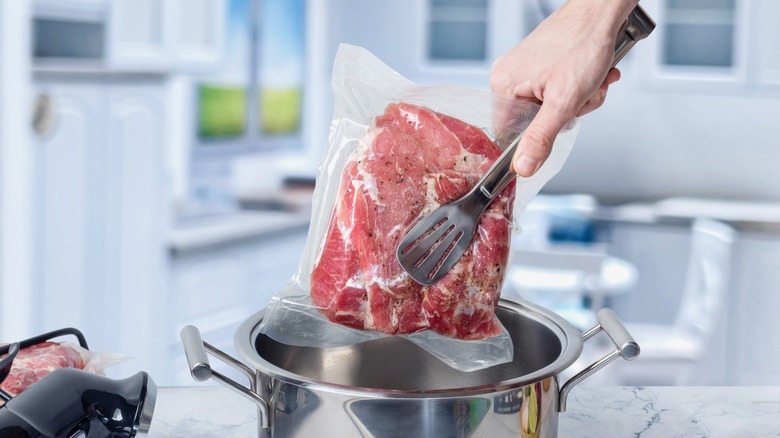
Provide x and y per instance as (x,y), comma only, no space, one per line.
(525,165)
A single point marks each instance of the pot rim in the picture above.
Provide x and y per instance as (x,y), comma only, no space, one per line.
(568,335)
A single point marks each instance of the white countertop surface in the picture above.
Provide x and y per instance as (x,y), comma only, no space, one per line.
(647,412)
(743,215)
(234,227)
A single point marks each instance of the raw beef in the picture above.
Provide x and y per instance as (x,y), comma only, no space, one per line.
(410,162)
(37,361)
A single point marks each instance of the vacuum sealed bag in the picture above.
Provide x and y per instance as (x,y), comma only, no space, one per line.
(396,152)
(37,361)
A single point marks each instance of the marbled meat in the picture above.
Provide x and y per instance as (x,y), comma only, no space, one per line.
(411,161)
(37,361)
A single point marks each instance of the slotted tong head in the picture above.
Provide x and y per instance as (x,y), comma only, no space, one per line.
(438,240)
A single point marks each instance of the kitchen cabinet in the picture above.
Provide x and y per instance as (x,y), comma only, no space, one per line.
(216,288)
(101,259)
(101,211)
(62,191)
(738,355)
(444,42)
(660,253)
(720,47)
(182,34)
(134,35)
(768,46)
(753,353)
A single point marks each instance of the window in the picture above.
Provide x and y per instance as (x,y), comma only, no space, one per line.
(254,100)
(457,30)
(711,46)
(280,79)
(699,33)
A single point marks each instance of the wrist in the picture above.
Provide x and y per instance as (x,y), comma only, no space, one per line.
(609,15)
(618,11)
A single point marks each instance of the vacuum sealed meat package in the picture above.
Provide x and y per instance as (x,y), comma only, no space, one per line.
(410,161)
(397,151)
(37,361)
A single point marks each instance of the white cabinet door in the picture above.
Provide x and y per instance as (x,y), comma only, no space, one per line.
(660,253)
(698,47)
(136,33)
(196,32)
(753,356)
(767,43)
(207,291)
(68,226)
(743,351)
(170,34)
(100,214)
(136,216)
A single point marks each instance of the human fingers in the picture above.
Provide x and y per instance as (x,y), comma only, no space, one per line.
(594,102)
(538,138)
(599,97)
(509,114)
(509,84)
(613,75)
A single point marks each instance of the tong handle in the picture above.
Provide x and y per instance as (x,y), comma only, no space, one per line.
(637,27)
(500,173)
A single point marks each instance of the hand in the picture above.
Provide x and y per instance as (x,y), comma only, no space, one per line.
(564,65)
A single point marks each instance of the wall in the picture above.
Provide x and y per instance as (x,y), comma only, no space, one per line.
(652,144)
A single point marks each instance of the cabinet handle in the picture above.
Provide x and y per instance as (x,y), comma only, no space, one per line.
(44,116)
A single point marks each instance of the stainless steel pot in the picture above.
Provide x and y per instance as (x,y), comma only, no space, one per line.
(389,387)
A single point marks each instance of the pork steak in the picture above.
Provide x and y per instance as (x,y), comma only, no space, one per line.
(37,361)
(411,161)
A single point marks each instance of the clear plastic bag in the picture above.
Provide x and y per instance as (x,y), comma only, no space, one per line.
(36,362)
(396,151)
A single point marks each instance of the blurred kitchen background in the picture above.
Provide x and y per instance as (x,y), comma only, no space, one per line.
(157,159)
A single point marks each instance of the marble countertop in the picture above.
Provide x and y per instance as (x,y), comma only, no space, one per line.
(593,412)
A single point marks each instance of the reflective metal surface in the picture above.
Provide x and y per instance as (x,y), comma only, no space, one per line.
(527,411)
(200,369)
(625,347)
(544,344)
(390,387)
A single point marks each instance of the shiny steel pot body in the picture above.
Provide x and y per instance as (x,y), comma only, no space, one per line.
(297,411)
(390,387)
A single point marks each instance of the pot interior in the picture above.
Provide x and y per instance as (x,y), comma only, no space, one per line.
(394,363)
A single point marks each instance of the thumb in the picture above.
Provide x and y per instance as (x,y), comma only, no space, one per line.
(538,139)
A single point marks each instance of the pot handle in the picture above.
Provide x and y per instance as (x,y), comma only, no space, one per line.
(625,345)
(195,349)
